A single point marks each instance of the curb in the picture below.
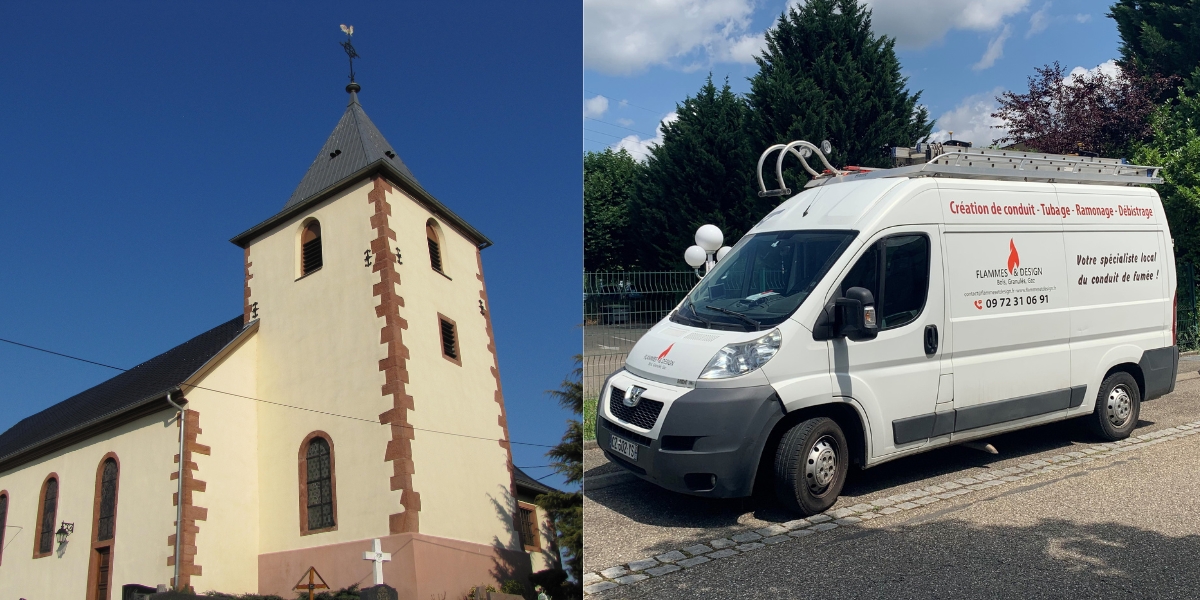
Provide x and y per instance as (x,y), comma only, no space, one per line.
(752,539)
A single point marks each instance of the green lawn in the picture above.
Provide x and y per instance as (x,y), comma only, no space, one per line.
(589,418)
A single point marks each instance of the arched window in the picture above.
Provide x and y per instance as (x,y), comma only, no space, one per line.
(47,515)
(104,524)
(106,519)
(310,248)
(318,498)
(435,248)
(3,521)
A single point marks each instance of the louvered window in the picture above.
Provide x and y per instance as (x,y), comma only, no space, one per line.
(3,522)
(529,529)
(310,248)
(435,248)
(449,341)
(49,514)
(108,501)
(320,484)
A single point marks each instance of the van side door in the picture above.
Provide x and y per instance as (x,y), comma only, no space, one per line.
(894,377)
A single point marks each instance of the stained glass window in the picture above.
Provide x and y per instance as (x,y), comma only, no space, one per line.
(3,521)
(49,514)
(320,485)
(108,501)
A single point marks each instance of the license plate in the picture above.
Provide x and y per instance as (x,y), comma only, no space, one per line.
(625,448)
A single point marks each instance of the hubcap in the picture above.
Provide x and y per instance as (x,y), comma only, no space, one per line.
(821,465)
(1120,406)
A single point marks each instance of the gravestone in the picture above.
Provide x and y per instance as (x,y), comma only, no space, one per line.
(378,592)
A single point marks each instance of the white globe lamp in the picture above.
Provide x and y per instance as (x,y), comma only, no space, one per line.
(709,238)
(695,256)
(722,252)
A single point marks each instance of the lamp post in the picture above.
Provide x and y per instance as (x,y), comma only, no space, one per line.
(64,530)
(708,249)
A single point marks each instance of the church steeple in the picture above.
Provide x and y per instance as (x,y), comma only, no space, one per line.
(354,145)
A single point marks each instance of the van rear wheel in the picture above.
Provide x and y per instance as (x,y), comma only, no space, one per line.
(810,466)
(1117,407)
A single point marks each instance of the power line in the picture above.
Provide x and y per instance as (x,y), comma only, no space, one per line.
(619,126)
(313,410)
(646,154)
(626,103)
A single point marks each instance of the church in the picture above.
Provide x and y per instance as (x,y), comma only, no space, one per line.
(355,401)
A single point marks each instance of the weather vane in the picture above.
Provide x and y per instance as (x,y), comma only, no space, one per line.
(349,48)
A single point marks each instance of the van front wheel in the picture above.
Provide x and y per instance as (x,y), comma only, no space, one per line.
(1117,407)
(810,466)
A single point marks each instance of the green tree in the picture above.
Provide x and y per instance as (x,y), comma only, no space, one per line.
(609,180)
(825,76)
(1175,146)
(1159,37)
(702,172)
(566,508)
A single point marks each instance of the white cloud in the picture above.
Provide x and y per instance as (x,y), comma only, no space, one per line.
(624,37)
(640,148)
(995,50)
(745,48)
(918,23)
(972,120)
(1039,21)
(624,122)
(1082,18)
(595,107)
(1109,68)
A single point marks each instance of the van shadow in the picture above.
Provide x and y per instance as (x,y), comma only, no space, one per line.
(954,558)
(651,505)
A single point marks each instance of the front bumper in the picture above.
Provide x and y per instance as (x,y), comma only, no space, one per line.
(707,441)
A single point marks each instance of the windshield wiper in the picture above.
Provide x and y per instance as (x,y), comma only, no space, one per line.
(757,326)
(706,322)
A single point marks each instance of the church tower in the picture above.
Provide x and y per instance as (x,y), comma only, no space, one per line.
(370,303)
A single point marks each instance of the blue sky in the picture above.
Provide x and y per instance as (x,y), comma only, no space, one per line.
(142,136)
(644,57)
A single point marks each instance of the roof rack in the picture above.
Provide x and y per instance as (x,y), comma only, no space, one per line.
(975,163)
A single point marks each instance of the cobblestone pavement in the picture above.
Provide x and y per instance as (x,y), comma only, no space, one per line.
(637,531)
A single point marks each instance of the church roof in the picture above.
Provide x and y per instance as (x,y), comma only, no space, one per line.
(354,144)
(356,150)
(534,486)
(135,393)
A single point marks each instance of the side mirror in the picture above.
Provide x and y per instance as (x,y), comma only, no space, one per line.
(855,317)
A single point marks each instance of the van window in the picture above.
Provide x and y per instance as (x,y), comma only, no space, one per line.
(763,279)
(901,291)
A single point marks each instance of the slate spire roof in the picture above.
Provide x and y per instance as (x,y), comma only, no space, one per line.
(354,144)
(356,150)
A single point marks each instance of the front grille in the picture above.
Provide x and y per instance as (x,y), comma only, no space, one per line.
(625,433)
(644,415)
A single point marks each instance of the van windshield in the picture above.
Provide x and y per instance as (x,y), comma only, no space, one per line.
(763,279)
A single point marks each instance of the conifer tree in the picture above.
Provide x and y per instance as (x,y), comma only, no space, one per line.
(609,184)
(825,76)
(702,172)
(1158,37)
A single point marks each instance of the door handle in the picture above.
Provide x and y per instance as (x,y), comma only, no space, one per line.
(931,340)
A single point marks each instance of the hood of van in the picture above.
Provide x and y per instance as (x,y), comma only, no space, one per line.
(676,354)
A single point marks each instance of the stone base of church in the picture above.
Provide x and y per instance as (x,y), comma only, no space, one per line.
(422,566)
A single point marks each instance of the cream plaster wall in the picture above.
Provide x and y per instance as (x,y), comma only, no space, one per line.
(145,450)
(463,482)
(318,348)
(227,545)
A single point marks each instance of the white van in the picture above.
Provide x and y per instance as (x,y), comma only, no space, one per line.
(880,314)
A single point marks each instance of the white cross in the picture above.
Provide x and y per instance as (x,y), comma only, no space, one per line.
(378,556)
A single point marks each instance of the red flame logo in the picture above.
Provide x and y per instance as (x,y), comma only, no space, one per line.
(664,352)
(1014,260)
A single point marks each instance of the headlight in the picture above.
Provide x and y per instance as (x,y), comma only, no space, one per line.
(739,359)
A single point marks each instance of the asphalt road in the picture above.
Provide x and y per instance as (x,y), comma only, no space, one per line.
(1124,528)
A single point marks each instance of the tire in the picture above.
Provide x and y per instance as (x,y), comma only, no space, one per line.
(1118,405)
(810,466)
